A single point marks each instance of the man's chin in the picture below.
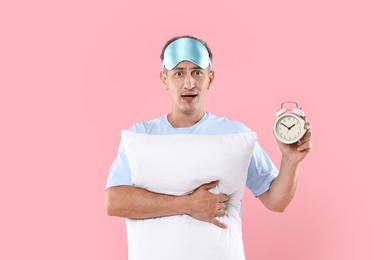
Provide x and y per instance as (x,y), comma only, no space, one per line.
(189,110)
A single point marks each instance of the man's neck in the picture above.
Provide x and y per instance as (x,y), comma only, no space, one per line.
(184,119)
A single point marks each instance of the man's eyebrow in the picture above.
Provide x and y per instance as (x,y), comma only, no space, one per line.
(181,68)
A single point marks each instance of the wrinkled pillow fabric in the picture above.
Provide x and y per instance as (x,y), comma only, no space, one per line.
(177,165)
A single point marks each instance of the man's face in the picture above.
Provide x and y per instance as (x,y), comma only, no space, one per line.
(187,84)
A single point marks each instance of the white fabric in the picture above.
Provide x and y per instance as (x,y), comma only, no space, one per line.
(176,165)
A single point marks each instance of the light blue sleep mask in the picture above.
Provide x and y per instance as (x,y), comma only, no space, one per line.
(186,49)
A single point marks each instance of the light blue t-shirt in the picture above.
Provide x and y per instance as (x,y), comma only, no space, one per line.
(261,171)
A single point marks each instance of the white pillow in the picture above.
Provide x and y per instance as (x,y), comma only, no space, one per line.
(176,165)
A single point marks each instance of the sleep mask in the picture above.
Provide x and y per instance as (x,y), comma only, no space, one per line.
(186,49)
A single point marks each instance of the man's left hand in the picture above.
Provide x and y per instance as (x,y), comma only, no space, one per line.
(297,152)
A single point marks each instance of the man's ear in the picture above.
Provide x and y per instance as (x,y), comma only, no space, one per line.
(211,78)
(163,77)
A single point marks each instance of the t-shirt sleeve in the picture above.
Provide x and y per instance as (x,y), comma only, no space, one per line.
(119,173)
(261,172)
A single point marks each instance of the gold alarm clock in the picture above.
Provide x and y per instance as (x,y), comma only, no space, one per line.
(289,126)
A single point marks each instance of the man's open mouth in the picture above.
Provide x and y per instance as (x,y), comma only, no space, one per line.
(189,95)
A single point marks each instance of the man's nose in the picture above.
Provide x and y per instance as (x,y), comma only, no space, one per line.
(189,82)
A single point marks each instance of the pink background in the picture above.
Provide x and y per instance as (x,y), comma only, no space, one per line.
(74,73)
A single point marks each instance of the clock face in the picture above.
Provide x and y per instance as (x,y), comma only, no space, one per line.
(288,128)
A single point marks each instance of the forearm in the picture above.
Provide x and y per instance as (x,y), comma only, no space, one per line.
(283,188)
(132,202)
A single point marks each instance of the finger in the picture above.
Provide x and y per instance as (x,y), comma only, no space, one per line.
(218,223)
(222,197)
(220,213)
(210,185)
(305,138)
(308,125)
(221,206)
(306,146)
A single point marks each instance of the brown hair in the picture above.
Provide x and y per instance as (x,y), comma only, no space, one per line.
(185,36)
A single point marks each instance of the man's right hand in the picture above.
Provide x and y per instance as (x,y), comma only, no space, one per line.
(206,206)
(136,203)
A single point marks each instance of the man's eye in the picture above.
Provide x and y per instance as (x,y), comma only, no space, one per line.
(198,72)
(179,74)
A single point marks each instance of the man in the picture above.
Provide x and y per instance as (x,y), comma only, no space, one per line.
(187,75)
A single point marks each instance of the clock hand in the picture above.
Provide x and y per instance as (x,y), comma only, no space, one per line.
(291,126)
(285,126)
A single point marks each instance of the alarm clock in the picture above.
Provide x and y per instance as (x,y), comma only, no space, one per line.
(289,125)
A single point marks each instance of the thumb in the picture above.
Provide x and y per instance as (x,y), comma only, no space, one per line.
(210,185)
